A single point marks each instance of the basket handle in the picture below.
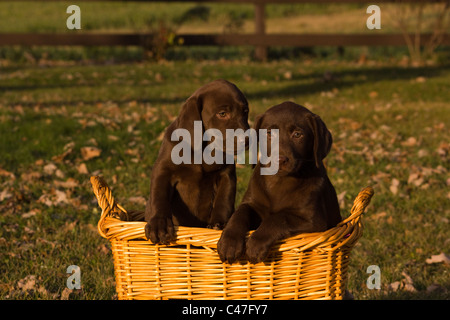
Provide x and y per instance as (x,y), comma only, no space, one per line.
(360,204)
(110,208)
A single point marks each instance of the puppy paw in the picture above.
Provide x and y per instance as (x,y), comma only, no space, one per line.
(257,249)
(230,246)
(160,230)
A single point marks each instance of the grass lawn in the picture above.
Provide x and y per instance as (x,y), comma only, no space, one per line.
(390,128)
(202,17)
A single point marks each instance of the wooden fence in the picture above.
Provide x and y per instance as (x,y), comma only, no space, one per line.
(260,39)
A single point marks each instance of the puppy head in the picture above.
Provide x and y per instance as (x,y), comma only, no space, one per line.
(219,105)
(303,136)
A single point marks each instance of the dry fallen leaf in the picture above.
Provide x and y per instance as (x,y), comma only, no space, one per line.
(408,279)
(27,283)
(439,258)
(66,293)
(5,194)
(31,213)
(69,226)
(5,173)
(394,286)
(113,138)
(82,169)
(394,186)
(54,198)
(92,141)
(28,230)
(341,198)
(422,153)
(378,215)
(410,142)
(50,168)
(90,152)
(415,179)
(29,176)
(443,149)
(103,249)
(68,184)
(132,152)
(373,94)
(405,284)
(421,79)
(68,148)
(138,200)
(409,287)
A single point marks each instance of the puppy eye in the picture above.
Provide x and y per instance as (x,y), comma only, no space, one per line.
(297,134)
(272,134)
(222,114)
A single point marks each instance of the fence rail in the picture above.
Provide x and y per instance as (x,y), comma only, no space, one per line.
(260,39)
(135,39)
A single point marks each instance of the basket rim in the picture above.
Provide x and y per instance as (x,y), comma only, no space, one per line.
(112,225)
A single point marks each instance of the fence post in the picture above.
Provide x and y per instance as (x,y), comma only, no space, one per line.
(260,29)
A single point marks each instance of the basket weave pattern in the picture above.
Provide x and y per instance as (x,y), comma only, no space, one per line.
(305,266)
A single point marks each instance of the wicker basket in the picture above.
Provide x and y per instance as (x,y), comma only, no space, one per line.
(305,266)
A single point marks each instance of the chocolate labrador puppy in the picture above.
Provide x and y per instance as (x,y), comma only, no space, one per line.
(298,198)
(194,193)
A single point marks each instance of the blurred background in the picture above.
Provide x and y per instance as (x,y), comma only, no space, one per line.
(168,21)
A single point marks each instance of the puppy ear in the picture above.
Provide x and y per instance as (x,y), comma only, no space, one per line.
(190,111)
(258,121)
(257,125)
(322,139)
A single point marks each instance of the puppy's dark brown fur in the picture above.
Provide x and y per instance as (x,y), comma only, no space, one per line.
(299,198)
(196,195)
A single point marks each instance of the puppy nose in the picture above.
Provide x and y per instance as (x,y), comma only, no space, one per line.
(282,160)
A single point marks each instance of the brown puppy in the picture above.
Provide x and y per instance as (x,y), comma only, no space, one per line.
(298,198)
(195,194)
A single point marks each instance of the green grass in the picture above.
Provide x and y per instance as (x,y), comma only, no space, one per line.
(372,111)
(180,18)
(137,16)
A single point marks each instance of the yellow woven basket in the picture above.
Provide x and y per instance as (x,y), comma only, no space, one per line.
(305,266)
